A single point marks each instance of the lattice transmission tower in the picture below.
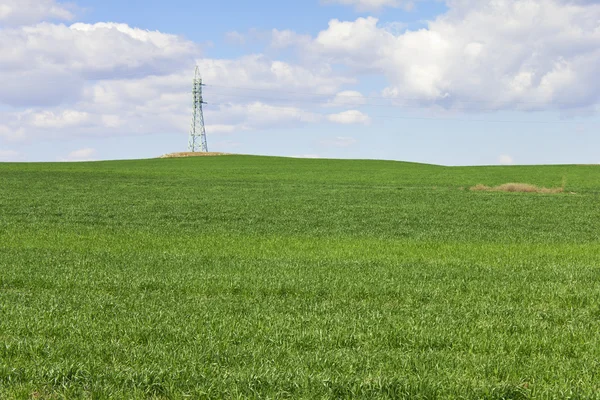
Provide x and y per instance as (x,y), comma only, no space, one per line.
(197,141)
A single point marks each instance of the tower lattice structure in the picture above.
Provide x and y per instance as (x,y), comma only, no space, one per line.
(197,141)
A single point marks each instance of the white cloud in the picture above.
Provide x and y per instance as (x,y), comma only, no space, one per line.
(235,37)
(221,128)
(306,156)
(260,72)
(9,155)
(371,5)
(356,44)
(111,121)
(505,160)
(22,12)
(285,38)
(64,119)
(347,98)
(226,144)
(49,64)
(258,115)
(160,104)
(11,127)
(112,79)
(113,48)
(84,154)
(339,141)
(349,117)
(479,55)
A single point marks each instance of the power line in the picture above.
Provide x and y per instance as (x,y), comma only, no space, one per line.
(371,97)
(341,104)
(311,101)
(421,118)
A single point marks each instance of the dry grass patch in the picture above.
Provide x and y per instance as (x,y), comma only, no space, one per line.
(193,154)
(517,187)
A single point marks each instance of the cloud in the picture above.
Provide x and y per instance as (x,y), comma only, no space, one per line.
(306,156)
(349,117)
(227,144)
(286,38)
(258,115)
(371,5)
(9,155)
(506,160)
(471,58)
(159,104)
(49,64)
(347,98)
(23,12)
(109,79)
(64,119)
(260,72)
(84,154)
(113,79)
(235,37)
(221,128)
(339,141)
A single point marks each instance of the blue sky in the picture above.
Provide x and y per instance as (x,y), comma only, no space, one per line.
(211,20)
(456,82)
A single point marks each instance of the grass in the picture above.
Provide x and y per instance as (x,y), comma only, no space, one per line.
(517,187)
(257,277)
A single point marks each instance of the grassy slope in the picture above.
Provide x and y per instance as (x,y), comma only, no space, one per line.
(266,277)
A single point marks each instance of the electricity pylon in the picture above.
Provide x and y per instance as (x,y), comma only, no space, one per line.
(197,140)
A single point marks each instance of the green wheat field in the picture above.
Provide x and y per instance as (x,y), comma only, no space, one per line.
(263,277)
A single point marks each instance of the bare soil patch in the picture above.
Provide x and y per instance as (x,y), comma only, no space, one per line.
(516,187)
(193,154)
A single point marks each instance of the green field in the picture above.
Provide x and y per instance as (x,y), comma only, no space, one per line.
(260,277)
